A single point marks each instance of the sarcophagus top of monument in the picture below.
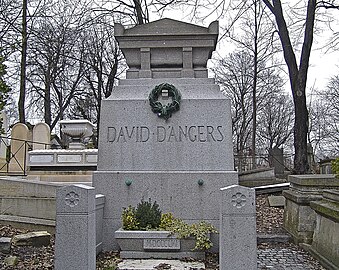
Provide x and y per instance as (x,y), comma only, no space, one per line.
(167,49)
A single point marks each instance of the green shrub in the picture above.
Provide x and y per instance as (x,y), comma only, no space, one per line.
(166,221)
(199,231)
(129,221)
(148,215)
(335,167)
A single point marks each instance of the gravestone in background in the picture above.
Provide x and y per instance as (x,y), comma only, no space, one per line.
(179,158)
(41,136)
(276,156)
(19,148)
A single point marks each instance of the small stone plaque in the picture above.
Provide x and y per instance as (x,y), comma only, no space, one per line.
(162,243)
(69,158)
(91,158)
(41,158)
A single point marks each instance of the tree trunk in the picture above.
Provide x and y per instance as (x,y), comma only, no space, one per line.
(254,95)
(298,78)
(22,95)
(301,165)
(47,99)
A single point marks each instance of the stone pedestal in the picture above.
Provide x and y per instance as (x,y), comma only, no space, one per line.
(299,217)
(238,236)
(180,161)
(75,238)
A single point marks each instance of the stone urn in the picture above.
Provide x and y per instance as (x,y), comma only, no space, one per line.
(78,131)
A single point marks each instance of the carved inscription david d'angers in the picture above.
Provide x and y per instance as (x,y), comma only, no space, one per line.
(161,134)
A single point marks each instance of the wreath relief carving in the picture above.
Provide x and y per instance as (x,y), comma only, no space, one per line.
(165,111)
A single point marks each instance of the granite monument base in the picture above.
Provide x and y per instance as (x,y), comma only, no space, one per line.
(190,195)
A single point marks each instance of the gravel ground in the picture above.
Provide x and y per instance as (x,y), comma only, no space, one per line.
(269,220)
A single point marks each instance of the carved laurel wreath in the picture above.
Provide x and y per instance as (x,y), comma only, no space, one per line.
(165,111)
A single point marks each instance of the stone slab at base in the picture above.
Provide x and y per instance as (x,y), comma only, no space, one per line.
(155,244)
(35,239)
(153,264)
(162,255)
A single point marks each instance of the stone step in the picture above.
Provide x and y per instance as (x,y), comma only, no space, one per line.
(150,264)
(28,223)
(273,238)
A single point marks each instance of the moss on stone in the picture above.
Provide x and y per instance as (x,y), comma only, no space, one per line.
(327,209)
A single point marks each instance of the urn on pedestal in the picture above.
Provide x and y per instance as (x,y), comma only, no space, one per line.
(77,130)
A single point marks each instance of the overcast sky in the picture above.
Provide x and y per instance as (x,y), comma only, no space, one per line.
(324,63)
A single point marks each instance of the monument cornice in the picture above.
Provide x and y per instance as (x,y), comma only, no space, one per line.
(158,49)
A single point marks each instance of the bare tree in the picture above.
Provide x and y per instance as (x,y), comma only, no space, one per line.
(101,61)
(324,120)
(22,93)
(131,12)
(276,120)
(235,74)
(56,59)
(255,35)
(9,26)
(298,72)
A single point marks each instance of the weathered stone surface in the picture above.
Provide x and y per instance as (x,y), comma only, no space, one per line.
(276,201)
(11,260)
(299,217)
(276,157)
(5,244)
(238,237)
(190,140)
(29,188)
(35,239)
(62,158)
(326,232)
(42,208)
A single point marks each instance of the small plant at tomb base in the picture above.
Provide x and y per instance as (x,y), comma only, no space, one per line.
(129,221)
(147,216)
(199,231)
(335,167)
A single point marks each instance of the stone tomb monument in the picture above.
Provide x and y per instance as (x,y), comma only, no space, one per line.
(165,133)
